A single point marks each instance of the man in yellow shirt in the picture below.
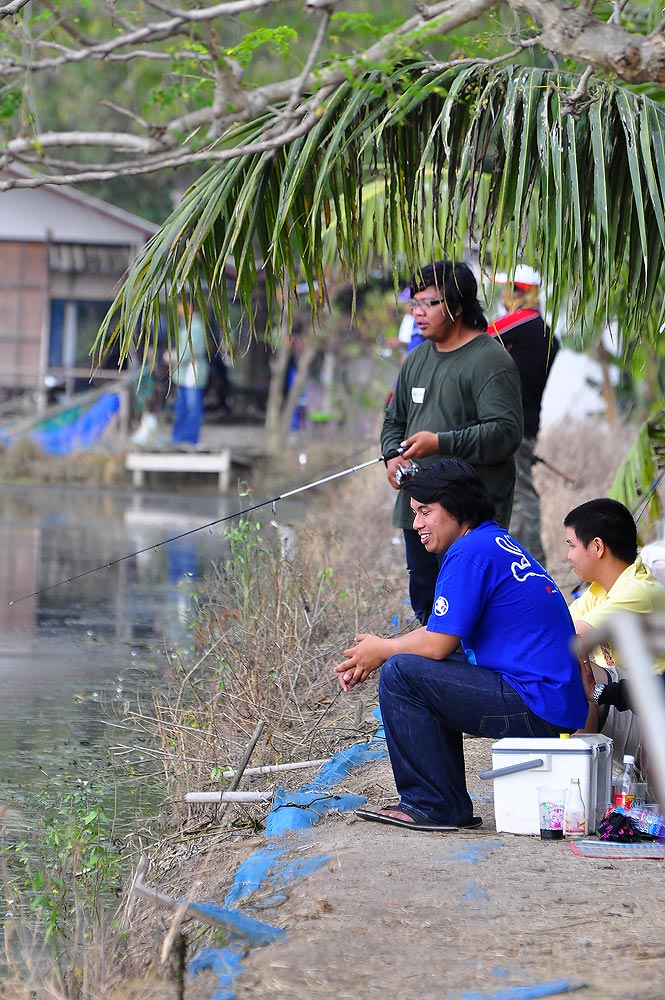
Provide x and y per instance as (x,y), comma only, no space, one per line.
(602,547)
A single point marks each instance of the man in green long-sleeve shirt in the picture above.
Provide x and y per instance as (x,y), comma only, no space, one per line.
(458,394)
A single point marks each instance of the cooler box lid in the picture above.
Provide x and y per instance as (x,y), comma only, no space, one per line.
(574,744)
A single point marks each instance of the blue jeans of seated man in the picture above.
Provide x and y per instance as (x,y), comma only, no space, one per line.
(423,567)
(426,706)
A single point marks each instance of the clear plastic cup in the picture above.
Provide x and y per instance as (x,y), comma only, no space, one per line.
(550,811)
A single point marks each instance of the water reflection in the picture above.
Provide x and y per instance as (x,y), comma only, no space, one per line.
(71,648)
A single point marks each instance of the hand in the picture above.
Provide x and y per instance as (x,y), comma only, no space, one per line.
(392,465)
(421,445)
(588,679)
(369,653)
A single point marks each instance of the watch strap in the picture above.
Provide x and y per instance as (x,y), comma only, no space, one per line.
(597,691)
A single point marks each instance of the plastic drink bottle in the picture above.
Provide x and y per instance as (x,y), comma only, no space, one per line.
(574,813)
(646,821)
(624,793)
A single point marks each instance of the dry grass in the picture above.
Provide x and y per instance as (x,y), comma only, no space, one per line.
(270,628)
(25,461)
(588,451)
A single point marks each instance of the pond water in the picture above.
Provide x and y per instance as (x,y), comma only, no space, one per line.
(73,648)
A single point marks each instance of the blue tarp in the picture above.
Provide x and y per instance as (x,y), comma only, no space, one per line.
(88,426)
(79,427)
(274,865)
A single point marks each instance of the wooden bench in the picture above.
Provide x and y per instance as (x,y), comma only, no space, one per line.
(140,462)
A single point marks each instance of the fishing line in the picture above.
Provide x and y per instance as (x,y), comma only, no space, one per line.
(211,524)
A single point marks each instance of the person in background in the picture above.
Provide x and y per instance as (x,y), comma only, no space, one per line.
(409,336)
(494,659)
(602,548)
(300,410)
(189,371)
(457,394)
(528,340)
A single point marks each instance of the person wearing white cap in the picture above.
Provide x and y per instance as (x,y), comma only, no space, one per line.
(527,338)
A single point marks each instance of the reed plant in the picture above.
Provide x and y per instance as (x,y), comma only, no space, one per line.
(269,627)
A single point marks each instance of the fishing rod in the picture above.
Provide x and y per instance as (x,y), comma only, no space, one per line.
(548,465)
(644,503)
(393,453)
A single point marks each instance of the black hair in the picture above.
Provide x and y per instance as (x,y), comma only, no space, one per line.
(608,520)
(456,486)
(459,290)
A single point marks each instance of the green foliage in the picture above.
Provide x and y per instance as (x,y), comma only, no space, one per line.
(10,102)
(66,874)
(635,482)
(402,166)
(346,23)
(249,553)
(279,40)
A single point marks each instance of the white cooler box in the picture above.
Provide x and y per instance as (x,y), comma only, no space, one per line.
(520,766)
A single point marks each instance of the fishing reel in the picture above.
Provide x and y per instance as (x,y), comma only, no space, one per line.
(405,473)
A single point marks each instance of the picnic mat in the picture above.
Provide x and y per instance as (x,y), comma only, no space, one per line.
(615,849)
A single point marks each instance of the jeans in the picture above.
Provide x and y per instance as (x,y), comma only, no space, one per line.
(423,567)
(187,415)
(426,706)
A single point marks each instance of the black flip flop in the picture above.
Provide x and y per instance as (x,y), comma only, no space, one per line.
(415,822)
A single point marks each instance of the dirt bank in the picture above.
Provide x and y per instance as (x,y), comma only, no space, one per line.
(474,916)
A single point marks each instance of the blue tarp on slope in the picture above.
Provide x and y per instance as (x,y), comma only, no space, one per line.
(87,427)
(273,866)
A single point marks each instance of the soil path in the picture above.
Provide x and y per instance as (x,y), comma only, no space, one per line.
(472,916)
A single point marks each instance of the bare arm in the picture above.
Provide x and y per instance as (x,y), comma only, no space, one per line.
(372,651)
(582,628)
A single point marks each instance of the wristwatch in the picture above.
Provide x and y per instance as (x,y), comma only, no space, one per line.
(597,691)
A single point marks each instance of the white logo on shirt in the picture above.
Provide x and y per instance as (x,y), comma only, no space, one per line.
(441,606)
(521,569)
(417,394)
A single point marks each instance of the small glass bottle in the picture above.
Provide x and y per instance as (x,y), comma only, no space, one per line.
(574,813)
(624,792)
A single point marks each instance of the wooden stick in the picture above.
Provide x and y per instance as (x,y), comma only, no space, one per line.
(249,750)
(169,903)
(244,761)
(183,907)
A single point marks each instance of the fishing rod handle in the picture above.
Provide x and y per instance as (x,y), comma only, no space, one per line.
(393,453)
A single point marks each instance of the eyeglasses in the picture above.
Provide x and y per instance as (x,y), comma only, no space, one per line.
(414,304)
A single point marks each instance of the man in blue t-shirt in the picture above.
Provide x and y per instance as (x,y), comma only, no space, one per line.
(493,660)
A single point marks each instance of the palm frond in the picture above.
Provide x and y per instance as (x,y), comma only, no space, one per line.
(406,165)
(636,480)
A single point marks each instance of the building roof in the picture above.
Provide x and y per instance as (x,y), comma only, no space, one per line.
(63,214)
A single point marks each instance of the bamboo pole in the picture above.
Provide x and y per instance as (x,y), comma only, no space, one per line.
(274,768)
(219,796)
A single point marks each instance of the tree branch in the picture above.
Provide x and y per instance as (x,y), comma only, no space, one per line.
(578,34)
(10,9)
(289,104)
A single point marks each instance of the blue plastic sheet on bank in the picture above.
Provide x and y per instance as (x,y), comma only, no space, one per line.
(225,963)
(78,427)
(275,866)
(87,427)
(532,991)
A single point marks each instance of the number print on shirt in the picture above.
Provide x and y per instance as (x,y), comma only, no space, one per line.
(521,568)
